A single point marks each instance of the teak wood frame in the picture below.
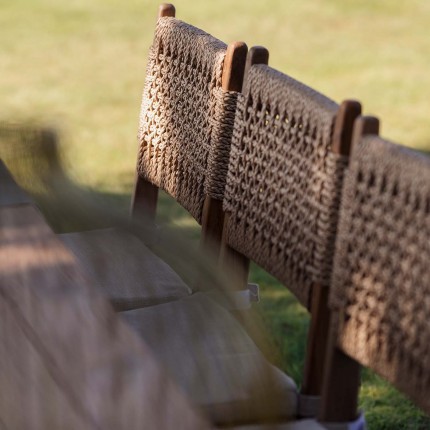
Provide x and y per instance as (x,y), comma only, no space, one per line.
(341,382)
(237,262)
(320,315)
(145,196)
(313,375)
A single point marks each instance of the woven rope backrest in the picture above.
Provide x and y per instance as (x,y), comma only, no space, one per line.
(381,276)
(283,182)
(186,118)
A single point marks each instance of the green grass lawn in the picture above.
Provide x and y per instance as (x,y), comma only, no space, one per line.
(79,65)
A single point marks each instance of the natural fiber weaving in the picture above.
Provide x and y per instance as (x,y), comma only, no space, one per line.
(381,281)
(186,118)
(284,181)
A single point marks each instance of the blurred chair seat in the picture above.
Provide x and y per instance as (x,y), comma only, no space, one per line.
(128,273)
(212,358)
(126,270)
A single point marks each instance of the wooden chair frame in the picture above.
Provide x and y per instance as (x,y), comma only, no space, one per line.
(342,374)
(320,314)
(145,195)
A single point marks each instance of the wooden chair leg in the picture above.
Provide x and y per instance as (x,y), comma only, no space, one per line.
(145,196)
(212,222)
(339,399)
(144,202)
(232,80)
(320,314)
(233,260)
(317,342)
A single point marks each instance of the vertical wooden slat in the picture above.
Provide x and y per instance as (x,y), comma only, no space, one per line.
(166,10)
(145,195)
(233,259)
(363,126)
(234,66)
(232,79)
(349,111)
(341,386)
(320,314)
(341,382)
(316,342)
(256,55)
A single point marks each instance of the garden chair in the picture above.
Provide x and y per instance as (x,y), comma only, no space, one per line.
(380,297)
(186,121)
(317,132)
(289,151)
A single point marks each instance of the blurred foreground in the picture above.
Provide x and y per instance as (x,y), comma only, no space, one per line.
(67,359)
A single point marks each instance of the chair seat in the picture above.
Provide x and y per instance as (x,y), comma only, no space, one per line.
(127,272)
(214,361)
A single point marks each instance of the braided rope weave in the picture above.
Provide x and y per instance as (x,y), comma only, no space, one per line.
(381,281)
(284,182)
(186,119)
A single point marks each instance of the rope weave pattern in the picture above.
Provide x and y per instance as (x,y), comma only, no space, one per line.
(381,281)
(284,182)
(186,118)
(222,124)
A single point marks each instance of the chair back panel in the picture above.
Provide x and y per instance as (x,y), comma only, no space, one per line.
(283,182)
(381,277)
(186,118)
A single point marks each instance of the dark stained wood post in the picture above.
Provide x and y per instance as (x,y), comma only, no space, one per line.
(320,314)
(166,9)
(229,256)
(232,80)
(145,195)
(341,381)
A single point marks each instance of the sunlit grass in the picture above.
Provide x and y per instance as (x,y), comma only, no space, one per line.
(387,409)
